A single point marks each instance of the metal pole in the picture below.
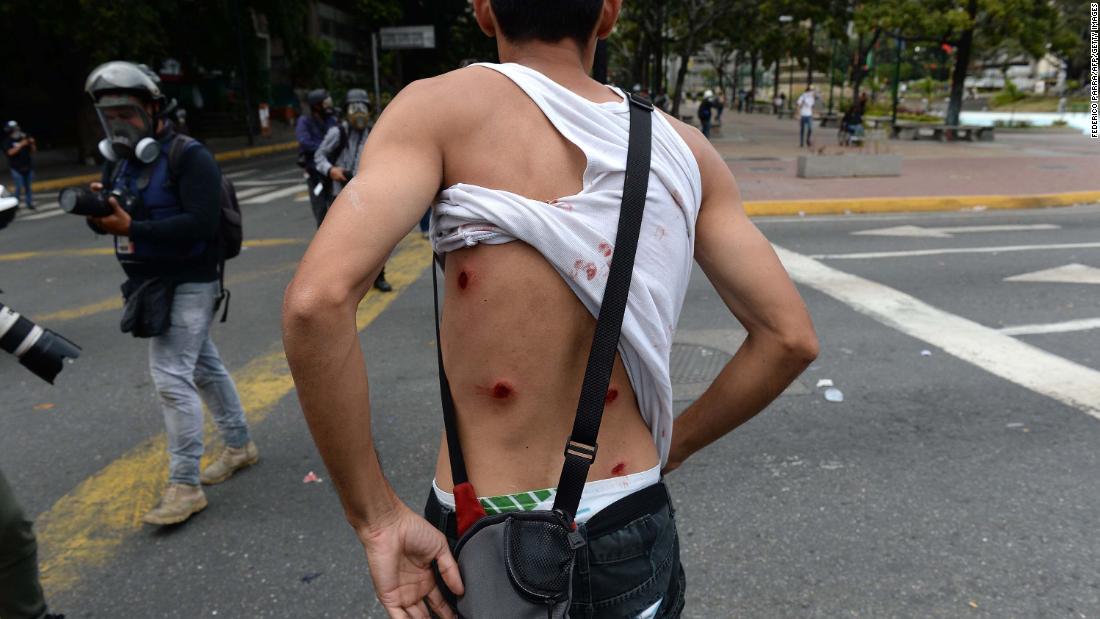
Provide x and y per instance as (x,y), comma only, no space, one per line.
(234,7)
(897,80)
(374,61)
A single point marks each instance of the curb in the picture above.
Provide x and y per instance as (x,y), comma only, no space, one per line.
(228,155)
(771,208)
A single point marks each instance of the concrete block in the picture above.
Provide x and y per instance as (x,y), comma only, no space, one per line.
(848,165)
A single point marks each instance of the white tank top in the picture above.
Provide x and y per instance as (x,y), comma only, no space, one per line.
(576,234)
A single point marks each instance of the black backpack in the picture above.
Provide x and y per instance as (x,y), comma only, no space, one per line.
(230,228)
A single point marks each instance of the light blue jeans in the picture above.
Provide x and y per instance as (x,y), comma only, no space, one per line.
(23,187)
(805,128)
(185,365)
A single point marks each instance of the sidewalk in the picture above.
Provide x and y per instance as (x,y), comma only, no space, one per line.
(1017,170)
(55,169)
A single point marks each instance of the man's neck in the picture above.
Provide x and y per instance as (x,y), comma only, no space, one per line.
(563,61)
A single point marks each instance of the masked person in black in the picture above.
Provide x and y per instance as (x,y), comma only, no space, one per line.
(166,240)
(310,131)
(337,158)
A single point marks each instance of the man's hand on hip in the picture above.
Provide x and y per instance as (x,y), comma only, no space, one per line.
(400,552)
(336,173)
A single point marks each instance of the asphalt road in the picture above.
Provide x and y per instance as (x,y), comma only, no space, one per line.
(957,478)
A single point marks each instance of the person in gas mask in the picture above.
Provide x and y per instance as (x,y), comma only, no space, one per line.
(310,131)
(337,158)
(20,149)
(167,244)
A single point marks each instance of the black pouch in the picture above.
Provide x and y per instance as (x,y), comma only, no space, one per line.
(519,561)
(520,564)
(148,309)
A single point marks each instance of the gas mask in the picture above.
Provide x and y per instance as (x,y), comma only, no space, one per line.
(128,127)
(358,115)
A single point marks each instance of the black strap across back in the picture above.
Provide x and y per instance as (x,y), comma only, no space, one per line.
(580,449)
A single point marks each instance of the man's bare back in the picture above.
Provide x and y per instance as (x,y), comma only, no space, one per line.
(515,336)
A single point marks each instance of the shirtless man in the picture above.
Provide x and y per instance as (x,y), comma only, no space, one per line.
(487,145)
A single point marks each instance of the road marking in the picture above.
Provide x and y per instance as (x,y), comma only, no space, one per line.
(956,250)
(43,214)
(241,173)
(251,191)
(999,354)
(1055,327)
(85,528)
(263,183)
(950,231)
(109,251)
(274,195)
(114,302)
(1068,274)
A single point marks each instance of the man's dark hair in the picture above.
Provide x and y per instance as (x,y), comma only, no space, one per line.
(547,20)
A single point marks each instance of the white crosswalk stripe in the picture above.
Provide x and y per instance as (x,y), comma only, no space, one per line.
(274,195)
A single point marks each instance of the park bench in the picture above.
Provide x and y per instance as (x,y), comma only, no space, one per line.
(785,112)
(916,131)
(831,118)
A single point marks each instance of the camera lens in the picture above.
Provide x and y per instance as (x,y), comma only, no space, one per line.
(39,350)
(83,201)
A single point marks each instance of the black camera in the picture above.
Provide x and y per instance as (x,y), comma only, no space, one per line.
(84,201)
(38,349)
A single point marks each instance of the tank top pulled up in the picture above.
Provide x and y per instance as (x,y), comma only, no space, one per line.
(576,234)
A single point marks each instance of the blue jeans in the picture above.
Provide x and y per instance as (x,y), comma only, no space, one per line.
(185,365)
(805,128)
(23,186)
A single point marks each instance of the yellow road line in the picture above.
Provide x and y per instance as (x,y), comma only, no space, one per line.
(764,208)
(109,251)
(228,155)
(115,302)
(86,528)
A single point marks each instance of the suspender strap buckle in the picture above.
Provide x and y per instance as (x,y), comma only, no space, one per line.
(580,450)
(641,102)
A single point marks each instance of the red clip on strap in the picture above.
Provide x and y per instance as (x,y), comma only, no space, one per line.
(467,507)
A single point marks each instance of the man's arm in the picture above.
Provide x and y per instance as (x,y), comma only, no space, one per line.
(749,277)
(15,148)
(400,172)
(324,151)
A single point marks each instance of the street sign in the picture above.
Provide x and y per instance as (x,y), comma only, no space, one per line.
(407,37)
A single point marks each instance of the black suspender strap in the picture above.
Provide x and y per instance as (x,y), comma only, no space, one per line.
(580,450)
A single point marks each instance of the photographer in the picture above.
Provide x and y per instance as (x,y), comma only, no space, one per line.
(166,231)
(337,158)
(20,147)
(310,131)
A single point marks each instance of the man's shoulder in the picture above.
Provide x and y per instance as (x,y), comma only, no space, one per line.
(459,96)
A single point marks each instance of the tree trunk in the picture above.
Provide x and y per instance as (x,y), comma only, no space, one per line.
(637,67)
(734,82)
(810,57)
(752,79)
(962,60)
(775,80)
(680,74)
(858,72)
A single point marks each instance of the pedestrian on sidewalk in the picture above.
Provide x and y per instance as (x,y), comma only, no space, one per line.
(170,251)
(20,149)
(706,109)
(805,104)
(310,130)
(525,274)
(337,158)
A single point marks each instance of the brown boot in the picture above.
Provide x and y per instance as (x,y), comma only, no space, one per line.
(177,504)
(229,461)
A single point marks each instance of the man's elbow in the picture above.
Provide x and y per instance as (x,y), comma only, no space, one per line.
(801,346)
(307,306)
